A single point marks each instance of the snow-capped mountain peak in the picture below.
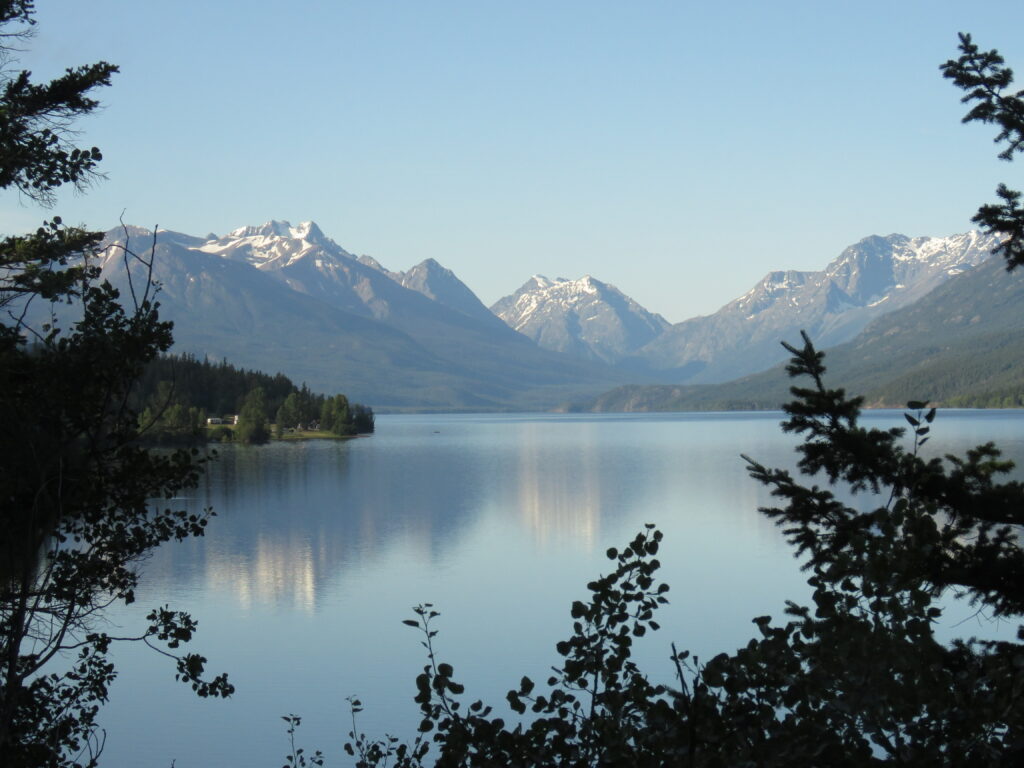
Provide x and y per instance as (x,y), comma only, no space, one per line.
(307,230)
(585,316)
(275,244)
(869,278)
(304,230)
(272,228)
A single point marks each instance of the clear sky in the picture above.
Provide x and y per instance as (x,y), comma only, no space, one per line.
(678,150)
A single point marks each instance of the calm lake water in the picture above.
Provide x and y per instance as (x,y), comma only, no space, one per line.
(320,549)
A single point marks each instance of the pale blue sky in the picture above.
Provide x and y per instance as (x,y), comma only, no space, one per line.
(678,150)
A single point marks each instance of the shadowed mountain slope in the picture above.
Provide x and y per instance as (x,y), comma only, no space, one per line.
(283,297)
(875,276)
(962,344)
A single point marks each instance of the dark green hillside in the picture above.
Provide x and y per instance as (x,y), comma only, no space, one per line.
(352,329)
(753,393)
(176,393)
(216,387)
(961,345)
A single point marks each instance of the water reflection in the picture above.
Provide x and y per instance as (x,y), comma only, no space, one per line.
(292,517)
(320,548)
(276,536)
(558,498)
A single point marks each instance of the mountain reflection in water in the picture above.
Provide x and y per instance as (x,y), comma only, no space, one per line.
(319,549)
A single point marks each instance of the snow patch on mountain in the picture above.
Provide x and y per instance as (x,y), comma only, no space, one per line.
(874,276)
(276,244)
(585,317)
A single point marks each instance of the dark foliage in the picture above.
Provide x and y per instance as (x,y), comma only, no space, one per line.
(985,79)
(253,427)
(856,679)
(80,502)
(179,391)
(218,388)
(36,118)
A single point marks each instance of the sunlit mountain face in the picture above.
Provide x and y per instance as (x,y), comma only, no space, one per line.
(288,298)
(279,297)
(867,280)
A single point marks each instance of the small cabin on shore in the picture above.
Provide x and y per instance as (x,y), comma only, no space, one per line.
(215,420)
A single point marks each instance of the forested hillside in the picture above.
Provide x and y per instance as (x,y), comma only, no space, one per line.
(177,393)
(961,346)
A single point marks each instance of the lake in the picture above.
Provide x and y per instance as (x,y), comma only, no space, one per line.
(320,549)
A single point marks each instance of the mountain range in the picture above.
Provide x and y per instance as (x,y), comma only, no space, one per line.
(279,297)
(868,279)
(962,344)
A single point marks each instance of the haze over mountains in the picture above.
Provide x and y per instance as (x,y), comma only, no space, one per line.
(868,279)
(282,298)
(962,344)
(288,298)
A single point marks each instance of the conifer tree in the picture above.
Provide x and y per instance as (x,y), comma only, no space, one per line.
(858,677)
(986,80)
(252,418)
(76,490)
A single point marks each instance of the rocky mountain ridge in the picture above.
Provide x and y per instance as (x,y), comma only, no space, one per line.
(592,320)
(868,279)
(584,317)
(284,297)
(960,345)
(288,298)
